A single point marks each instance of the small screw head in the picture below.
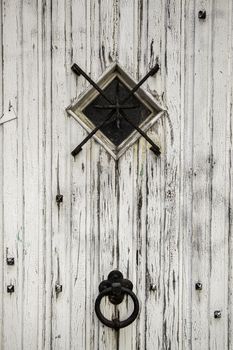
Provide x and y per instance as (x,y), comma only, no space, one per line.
(202,14)
(59,198)
(217,314)
(153,287)
(198,286)
(58,288)
(10,261)
(10,288)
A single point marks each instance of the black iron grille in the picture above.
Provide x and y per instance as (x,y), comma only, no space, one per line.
(117,129)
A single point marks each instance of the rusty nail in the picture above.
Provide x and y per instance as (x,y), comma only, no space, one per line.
(217,314)
(198,286)
(153,287)
(59,198)
(10,288)
(202,14)
(58,288)
(10,261)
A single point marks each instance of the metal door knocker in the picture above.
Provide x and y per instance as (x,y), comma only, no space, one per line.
(116,287)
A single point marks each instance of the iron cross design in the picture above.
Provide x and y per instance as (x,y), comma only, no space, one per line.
(117,108)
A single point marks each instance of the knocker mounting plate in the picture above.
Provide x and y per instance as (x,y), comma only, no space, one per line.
(115,111)
(115,288)
(116,280)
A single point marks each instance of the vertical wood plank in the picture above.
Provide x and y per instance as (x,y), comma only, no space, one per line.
(108,240)
(61,158)
(127,234)
(141,227)
(187,169)
(45,169)
(88,297)
(155,245)
(229,149)
(141,185)
(1,179)
(219,179)
(80,191)
(94,213)
(108,192)
(150,185)
(11,315)
(201,179)
(127,54)
(31,176)
(171,68)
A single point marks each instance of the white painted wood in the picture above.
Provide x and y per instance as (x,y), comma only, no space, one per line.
(1,191)
(9,115)
(187,69)
(80,191)
(30,133)
(165,222)
(201,181)
(11,312)
(230,179)
(61,224)
(127,166)
(219,222)
(171,234)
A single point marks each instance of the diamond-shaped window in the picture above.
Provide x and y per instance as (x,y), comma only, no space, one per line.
(117,129)
(92,109)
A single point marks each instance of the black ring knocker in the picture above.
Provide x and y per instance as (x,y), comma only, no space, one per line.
(116,287)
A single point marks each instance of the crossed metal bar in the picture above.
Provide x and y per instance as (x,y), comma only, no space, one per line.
(115,107)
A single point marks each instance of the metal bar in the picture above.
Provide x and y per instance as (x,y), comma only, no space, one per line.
(79,147)
(154,147)
(76,69)
(115,106)
(153,71)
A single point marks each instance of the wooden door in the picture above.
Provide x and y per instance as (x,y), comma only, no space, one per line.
(165,222)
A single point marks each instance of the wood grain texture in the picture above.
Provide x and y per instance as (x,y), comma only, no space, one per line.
(165,222)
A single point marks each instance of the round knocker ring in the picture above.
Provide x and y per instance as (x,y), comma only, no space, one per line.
(116,288)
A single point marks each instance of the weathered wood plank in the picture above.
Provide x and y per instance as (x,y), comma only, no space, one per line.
(47,164)
(229,150)
(30,174)
(150,276)
(187,67)
(155,245)
(108,240)
(201,177)
(141,185)
(219,179)
(107,183)
(80,191)
(44,181)
(171,64)
(127,165)
(1,182)
(61,62)
(11,308)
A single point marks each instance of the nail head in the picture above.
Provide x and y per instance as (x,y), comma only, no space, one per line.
(10,288)
(198,286)
(59,198)
(217,314)
(58,288)
(153,287)
(10,261)
(202,14)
